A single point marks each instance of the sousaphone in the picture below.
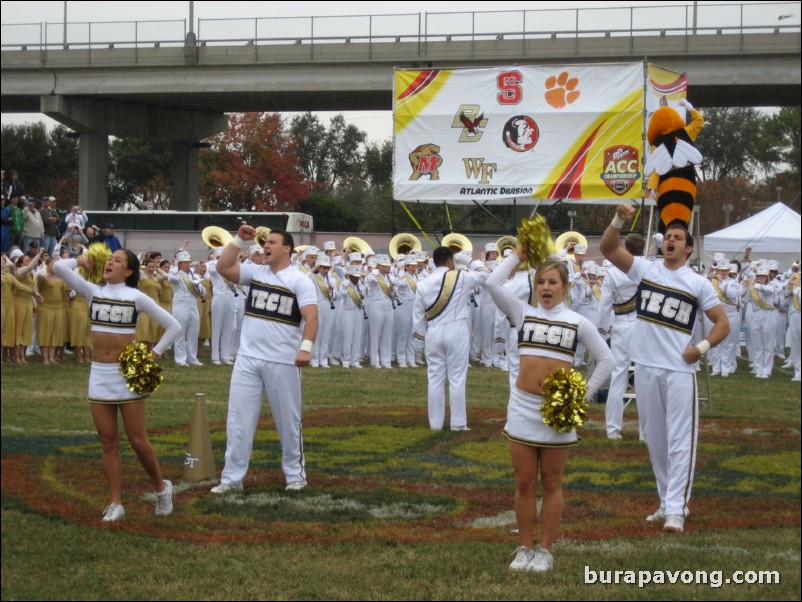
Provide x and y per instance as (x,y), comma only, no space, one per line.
(354,244)
(457,242)
(215,236)
(570,237)
(506,242)
(404,243)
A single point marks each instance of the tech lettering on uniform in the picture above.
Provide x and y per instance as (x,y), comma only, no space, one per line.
(666,306)
(556,336)
(273,303)
(113,313)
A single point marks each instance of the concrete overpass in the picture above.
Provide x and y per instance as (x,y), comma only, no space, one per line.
(180,92)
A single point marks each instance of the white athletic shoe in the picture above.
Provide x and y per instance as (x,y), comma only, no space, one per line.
(658,517)
(225,488)
(675,523)
(295,485)
(542,562)
(113,513)
(614,436)
(164,500)
(523,556)
(460,428)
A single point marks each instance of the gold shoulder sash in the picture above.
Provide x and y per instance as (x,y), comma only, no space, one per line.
(757,300)
(447,288)
(324,288)
(721,296)
(412,284)
(795,302)
(354,294)
(596,291)
(384,286)
(191,286)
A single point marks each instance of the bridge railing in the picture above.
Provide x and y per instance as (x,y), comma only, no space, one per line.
(422,27)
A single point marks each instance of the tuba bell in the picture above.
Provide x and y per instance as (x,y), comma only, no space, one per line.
(215,236)
(457,242)
(506,242)
(404,243)
(570,237)
(262,232)
(354,244)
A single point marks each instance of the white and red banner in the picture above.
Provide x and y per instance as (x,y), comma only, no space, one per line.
(529,133)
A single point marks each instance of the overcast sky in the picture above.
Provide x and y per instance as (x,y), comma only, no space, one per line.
(378,125)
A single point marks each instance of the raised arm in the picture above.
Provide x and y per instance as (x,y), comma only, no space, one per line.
(610,243)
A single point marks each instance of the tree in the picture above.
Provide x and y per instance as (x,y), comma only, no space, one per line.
(779,142)
(729,142)
(252,166)
(330,213)
(47,161)
(379,162)
(142,172)
(329,157)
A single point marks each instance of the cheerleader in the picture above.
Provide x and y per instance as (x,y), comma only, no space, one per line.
(548,337)
(113,311)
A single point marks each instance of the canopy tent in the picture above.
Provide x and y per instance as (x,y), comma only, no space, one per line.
(774,233)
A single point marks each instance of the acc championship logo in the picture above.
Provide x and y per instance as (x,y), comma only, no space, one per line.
(470,118)
(425,161)
(521,133)
(620,168)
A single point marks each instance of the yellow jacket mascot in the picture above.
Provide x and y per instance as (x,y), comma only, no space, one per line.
(670,165)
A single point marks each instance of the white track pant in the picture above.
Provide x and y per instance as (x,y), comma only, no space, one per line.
(186,345)
(447,350)
(223,321)
(282,383)
(619,345)
(668,410)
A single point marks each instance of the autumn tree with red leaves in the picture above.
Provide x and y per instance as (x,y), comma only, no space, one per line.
(252,166)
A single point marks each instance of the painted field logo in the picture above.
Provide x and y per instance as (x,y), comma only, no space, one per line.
(425,161)
(521,133)
(620,168)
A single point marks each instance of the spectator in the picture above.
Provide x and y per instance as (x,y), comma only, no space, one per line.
(17,220)
(11,185)
(76,217)
(50,220)
(34,228)
(5,227)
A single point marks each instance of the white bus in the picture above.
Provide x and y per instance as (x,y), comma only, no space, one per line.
(166,231)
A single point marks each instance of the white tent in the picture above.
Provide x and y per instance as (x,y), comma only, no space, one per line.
(774,233)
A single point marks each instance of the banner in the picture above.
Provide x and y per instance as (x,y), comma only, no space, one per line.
(529,133)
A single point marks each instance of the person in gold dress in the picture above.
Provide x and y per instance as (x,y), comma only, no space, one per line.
(10,284)
(50,313)
(23,305)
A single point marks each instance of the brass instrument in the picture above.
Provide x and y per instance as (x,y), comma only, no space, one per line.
(404,243)
(215,236)
(262,232)
(300,249)
(570,237)
(354,244)
(457,242)
(506,242)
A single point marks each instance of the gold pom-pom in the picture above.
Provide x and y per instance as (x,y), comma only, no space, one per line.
(564,406)
(535,237)
(141,373)
(99,253)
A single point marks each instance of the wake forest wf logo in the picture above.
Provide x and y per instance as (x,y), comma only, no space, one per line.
(477,169)
(620,168)
(470,118)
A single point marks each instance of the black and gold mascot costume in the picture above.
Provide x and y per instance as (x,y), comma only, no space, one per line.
(670,165)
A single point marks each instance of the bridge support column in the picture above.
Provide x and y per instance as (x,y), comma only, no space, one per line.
(93,169)
(185,195)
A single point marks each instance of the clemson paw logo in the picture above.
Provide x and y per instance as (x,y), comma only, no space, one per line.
(561,90)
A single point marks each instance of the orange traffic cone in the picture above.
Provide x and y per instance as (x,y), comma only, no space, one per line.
(199,463)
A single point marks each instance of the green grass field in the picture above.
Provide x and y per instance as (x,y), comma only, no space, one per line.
(394,511)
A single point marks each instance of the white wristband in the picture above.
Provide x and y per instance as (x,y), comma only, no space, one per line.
(704,346)
(239,243)
(307,345)
(617,222)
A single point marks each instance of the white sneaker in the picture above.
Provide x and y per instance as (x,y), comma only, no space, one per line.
(614,436)
(675,523)
(295,485)
(113,512)
(225,488)
(542,562)
(164,500)
(658,517)
(523,556)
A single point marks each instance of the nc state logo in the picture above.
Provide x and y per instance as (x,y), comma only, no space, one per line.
(620,168)
(521,133)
